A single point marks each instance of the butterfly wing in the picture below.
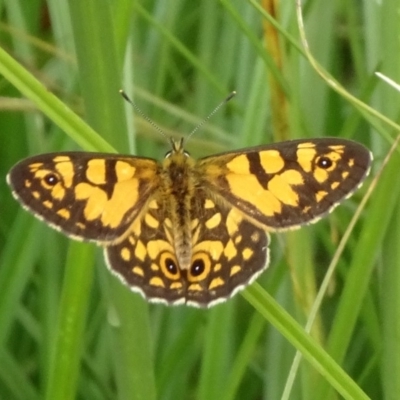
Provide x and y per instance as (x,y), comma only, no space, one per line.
(228,253)
(288,184)
(91,196)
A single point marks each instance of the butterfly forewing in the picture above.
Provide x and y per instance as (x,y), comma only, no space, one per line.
(91,196)
(288,184)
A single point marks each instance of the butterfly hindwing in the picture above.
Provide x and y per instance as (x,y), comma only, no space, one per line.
(228,252)
(92,196)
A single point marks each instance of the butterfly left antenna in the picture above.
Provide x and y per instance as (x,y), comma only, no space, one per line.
(142,114)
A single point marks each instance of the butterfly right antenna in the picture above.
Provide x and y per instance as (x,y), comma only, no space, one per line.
(223,102)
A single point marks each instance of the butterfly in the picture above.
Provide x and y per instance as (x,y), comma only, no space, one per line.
(186,231)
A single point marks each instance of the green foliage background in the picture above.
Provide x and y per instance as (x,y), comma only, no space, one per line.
(69,330)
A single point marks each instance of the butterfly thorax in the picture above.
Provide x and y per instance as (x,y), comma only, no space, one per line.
(178,180)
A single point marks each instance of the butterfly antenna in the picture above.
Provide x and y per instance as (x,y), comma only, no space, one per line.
(231,95)
(142,114)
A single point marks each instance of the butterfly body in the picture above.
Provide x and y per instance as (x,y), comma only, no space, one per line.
(179,195)
(185,230)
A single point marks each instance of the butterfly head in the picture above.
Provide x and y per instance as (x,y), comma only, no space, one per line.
(177,148)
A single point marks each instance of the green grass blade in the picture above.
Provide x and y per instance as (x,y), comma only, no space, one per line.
(380,212)
(310,349)
(68,344)
(243,357)
(50,105)
(215,359)
(14,378)
(16,268)
(390,310)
